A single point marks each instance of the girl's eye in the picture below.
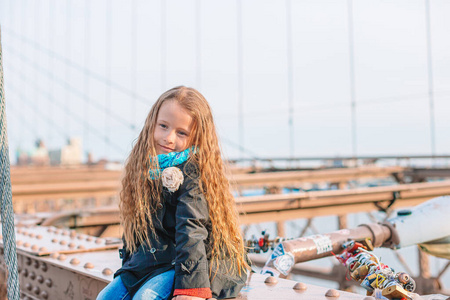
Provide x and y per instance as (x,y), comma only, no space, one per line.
(182,133)
(163,126)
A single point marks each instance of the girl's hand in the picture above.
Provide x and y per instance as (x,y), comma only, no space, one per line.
(183,297)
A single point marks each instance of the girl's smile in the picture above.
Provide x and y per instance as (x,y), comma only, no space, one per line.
(173,128)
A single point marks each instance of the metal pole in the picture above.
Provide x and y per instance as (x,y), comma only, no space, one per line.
(7,213)
(240,78)
(430,79)
(352,76)
(290,67)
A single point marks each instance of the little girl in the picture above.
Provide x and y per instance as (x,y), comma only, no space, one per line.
(181,235)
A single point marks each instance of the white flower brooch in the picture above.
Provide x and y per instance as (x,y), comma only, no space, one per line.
(172,178)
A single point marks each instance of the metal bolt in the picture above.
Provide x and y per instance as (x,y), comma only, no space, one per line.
(19,242)
(28,286)
(39,236)
(44,267)
(73,234)
(61,257)
(89,238)
(48,282)
(300,286)
(25,273)
(107,271)
(54,240)
(99,241)
(81,247)
(26,244)
(36,264)
(40,279)
(28,261)
(72,245)
(65,233)
(34,247)
(50,230)
(88,266)
(271,280)
(332,293)
(36,290)
(74,261)
(31,234)
(43,249)
(44,294)
(63,242)
(54,255)
(32,276)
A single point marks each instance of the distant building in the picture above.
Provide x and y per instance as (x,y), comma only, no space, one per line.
(71,154)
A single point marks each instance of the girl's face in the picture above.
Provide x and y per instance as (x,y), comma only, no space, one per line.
(173,128)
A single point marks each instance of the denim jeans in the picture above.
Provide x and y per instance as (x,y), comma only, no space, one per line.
(156,288)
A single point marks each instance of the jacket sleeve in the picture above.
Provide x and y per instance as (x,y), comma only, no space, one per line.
(191,265)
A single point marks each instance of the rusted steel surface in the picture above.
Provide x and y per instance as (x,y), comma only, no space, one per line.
(281,207)
(320,203)
(313,176)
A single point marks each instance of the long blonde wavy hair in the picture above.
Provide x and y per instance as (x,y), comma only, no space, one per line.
(139,196)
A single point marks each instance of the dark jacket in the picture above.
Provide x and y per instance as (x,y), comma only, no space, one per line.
(182,226)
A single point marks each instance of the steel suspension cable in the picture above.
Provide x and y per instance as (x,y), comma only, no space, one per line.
(7,213)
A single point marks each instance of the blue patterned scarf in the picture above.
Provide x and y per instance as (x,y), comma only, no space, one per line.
(169,160)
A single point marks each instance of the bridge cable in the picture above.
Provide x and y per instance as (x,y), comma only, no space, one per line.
(80,68)
(71,114)
(7,213)
(72,89)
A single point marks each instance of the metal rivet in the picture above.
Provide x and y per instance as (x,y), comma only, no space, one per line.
(31,235)
(98,241)
(80,237)
(81,247)
(74,261)
(88,266)
(107,271)
(54,255)
(332,293)
(39,236)
(48,282)
(28,286)
(27,244)
(61,257)
(65,233)
(1,236)
(300,286)
(89,238)
(36,290)
(44,267)
(36,264)
(49,230)
(271,280)
(32,276)
(54,240)
(44,294)
(71,245)
(43,249)
(25,273)
(40,279)
(28,261)
(73,234)
(34,247)
(63,242)
(19,242)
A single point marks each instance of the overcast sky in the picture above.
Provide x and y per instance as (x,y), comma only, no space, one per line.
(59,57)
